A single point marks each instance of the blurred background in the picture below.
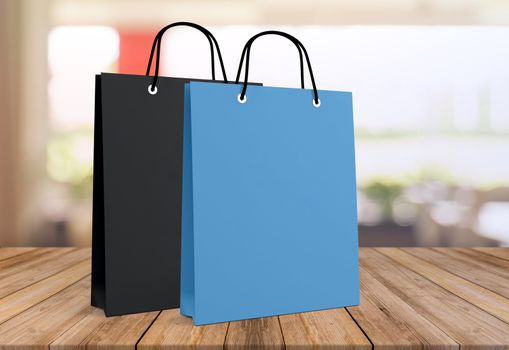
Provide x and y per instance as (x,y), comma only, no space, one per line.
(430,82)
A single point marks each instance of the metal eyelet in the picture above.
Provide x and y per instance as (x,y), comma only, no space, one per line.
(152,91)
(315,104)
(241,100)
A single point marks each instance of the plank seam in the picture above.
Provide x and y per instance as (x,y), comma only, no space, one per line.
(281,329)
(485,254)
(488,263)
(50,343)
(34,261)
(358,325)
(492,255)
(455,274)
(424,315)
(49,296)
(16,255)
(40,255)
(226,335)
(410,327)
(445,289)
(146,330)
(45,278)
(59,335)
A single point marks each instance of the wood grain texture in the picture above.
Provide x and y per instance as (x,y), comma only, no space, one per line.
(171,331)
(6,253)
(18,263)
(327,329)
(481,297)
(40,268)
(493,263)
(466,267)
(38,326)
(23,299)
(502,253)
(466,324)
(411,298)
(390,323)
(260,333)
(95,331)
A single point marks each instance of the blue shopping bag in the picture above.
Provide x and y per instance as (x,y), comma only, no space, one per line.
(269,223)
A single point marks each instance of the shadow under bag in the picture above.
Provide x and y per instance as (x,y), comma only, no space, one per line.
(137,188)
(269,200)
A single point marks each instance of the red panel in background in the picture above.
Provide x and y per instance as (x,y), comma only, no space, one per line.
(134,52)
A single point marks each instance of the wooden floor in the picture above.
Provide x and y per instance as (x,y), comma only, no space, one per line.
(410,298)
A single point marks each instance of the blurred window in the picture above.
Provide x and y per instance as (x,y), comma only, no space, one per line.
(424,97)
(431,105)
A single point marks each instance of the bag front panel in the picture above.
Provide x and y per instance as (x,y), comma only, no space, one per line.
(274,202)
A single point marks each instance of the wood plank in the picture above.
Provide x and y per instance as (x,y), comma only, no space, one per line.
(96,331)
(392,324)
(23,299)
(502,253)
(6,253)
(37,327)
(466,267)
(51,263)
(260,333)
(498,265)
(481,297)
(409,300)
(327,329)
(173,331)
(19,262)
(466,324)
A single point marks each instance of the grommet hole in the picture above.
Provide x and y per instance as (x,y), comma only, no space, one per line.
(152,91)
(240,99)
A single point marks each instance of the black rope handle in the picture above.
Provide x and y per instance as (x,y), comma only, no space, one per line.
(301,60)
(157,45)
(157,41)
(247,49)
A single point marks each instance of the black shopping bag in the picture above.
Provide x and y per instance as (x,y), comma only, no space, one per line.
(138,188)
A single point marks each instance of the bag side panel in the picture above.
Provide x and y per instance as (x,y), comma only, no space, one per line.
(187,263)
(98,276)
